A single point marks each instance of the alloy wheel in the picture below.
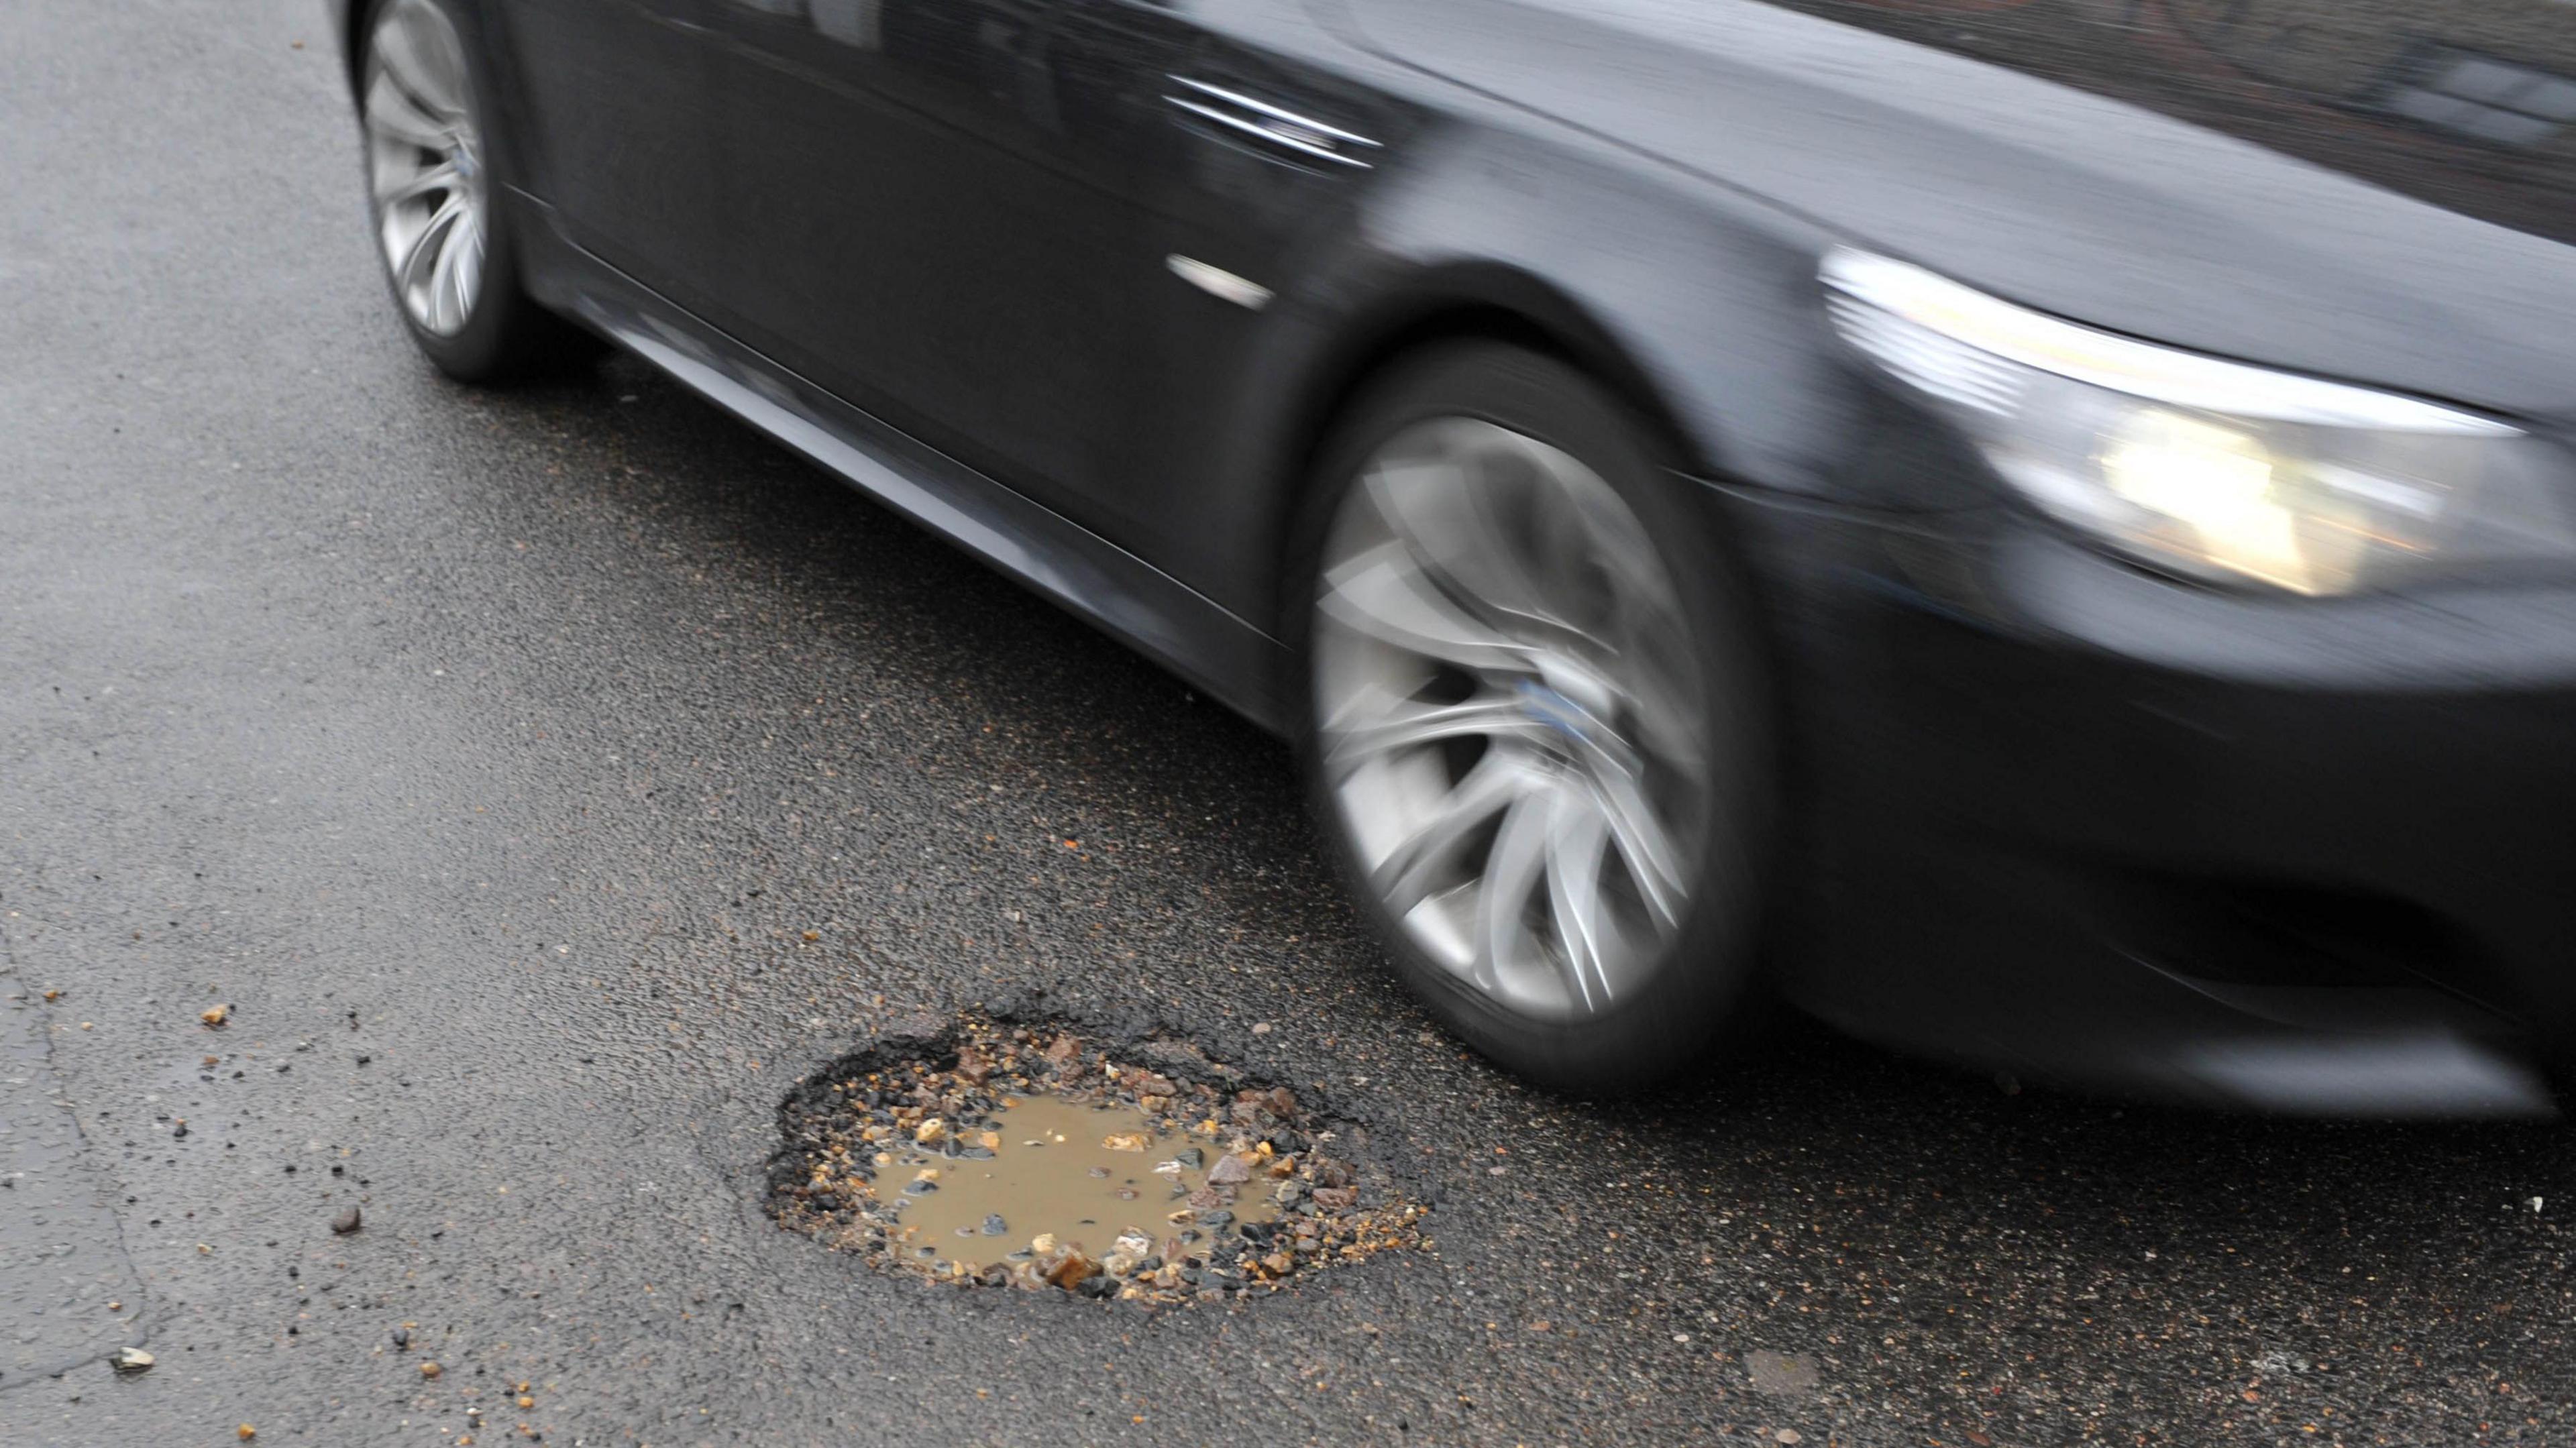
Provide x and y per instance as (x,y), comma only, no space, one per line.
(1507,711)
(425,164)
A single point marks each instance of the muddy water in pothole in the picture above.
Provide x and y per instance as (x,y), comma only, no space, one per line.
(1085,1175)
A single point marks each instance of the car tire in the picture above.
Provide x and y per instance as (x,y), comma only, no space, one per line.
(446,230)
(1450,466)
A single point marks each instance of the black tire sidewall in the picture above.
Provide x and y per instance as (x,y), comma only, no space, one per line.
(1706,982)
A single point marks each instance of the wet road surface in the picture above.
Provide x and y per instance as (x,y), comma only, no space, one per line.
(548,780)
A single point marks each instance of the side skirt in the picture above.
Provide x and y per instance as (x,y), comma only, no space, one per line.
(1096,580)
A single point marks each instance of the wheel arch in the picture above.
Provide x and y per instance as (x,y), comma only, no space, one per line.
(1696,307)
(1444,306)
(1470,302)
(1491,301)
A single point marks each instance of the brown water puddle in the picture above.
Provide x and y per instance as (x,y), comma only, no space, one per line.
(1104,1179)
(1010,1155)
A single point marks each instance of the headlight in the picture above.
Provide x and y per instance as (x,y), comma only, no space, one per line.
(2213,469)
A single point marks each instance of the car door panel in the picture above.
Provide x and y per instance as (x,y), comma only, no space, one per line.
(618,92)
(979,220)
(911,241)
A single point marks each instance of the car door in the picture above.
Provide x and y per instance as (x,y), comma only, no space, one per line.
(996,223)
(912,241)
(619,98)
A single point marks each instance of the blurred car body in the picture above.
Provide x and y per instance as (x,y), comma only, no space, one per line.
(2135,433)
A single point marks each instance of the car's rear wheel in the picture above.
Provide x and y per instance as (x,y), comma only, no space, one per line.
(1537,719)
(441,228)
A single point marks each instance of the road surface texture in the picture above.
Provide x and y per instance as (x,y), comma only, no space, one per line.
(547,780)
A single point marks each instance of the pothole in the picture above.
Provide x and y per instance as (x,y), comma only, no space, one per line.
(1005,1155)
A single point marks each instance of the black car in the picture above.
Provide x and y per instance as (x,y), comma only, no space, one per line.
(2042,530)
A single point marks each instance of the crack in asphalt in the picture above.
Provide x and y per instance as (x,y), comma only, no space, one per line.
(62,1248)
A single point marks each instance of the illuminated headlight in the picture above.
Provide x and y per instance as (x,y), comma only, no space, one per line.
(2204,467)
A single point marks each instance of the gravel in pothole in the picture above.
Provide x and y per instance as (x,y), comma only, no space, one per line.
(1013,1156)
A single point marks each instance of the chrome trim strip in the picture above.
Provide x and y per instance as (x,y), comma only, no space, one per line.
(1274,112)
(1267,132)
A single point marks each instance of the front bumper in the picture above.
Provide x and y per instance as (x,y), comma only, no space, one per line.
(2060,817)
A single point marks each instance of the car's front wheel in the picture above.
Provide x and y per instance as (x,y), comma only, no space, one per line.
(440,224)
(1537,731)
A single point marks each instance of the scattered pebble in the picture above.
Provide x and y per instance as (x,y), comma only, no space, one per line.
(132,1360)
(216,1015)
(347,1220)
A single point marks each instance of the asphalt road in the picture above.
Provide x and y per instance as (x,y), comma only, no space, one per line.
(548,779)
